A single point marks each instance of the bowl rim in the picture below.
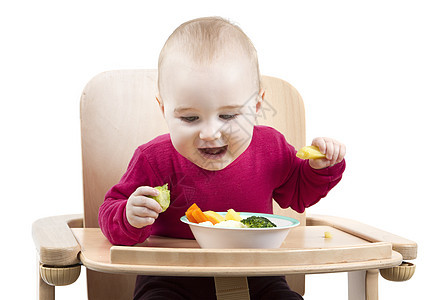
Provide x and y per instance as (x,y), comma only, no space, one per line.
(294,222)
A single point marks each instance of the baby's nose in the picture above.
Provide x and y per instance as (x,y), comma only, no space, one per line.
(210,133)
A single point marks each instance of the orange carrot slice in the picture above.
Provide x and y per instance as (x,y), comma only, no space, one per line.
(189,213)
(190,217)
(192,207)
(199,215)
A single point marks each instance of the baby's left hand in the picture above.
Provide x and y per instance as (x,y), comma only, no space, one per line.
(333,150)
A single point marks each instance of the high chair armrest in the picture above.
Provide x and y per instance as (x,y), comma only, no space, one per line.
(407,248)
(54,240)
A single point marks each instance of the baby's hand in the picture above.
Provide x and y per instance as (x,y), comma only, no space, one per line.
(333,150)
(140,209)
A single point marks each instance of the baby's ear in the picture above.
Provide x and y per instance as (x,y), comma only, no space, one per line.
(260,98)
(160,102)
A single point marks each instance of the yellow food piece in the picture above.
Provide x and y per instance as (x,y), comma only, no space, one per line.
(214,215)
(310,152)
(232,215)
(231,224)
(327,235)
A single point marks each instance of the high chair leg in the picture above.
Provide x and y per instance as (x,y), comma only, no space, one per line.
(45,291)
(363,285)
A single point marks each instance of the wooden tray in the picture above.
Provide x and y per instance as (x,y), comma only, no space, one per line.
(305,250)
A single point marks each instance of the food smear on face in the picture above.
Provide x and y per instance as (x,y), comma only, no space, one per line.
(232,219)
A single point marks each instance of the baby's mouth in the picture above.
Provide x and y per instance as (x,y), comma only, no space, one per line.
(213,152)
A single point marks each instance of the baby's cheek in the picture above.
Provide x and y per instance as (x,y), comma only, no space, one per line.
(182,142)
(239,142)
(241,132)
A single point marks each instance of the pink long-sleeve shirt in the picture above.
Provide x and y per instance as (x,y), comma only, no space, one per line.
(268,169)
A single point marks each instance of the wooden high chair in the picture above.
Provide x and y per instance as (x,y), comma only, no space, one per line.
(119,113)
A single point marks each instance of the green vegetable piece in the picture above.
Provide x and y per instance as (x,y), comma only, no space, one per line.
(164,197)
(258,222)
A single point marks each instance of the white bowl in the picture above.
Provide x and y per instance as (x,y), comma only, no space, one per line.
(215,237)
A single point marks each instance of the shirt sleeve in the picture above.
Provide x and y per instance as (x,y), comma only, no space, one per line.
(112,213)
(304,186)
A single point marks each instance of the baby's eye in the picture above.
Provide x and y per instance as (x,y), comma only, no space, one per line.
(189,119)
(227,117)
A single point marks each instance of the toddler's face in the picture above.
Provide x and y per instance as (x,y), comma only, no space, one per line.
(210,110)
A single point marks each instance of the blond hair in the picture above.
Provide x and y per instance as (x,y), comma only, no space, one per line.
(205,39)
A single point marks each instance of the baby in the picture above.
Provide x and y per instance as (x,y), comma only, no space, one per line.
(209,92)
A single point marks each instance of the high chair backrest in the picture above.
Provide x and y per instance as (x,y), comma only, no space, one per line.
(119,112)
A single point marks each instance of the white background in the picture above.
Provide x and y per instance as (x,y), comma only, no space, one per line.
(367,70)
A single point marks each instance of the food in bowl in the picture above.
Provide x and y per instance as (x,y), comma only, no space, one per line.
(232,219)
(214,216)
(225,224)
(232,234)
(233,215)
(257,222)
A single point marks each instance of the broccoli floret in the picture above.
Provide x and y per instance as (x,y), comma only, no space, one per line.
(258,222)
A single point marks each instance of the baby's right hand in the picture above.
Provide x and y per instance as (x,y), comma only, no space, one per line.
(140,209)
